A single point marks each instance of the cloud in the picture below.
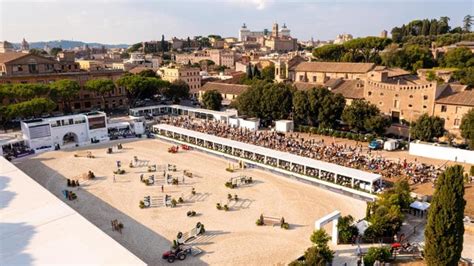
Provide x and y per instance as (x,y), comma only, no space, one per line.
(259,4)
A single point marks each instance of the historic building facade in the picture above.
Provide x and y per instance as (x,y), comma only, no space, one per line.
(27,68)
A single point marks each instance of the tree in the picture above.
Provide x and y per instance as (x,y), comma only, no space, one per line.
(460,57)
(149,73)
(377,124)
(101,87)
(212,100)
(445,228)
(467,23)
(320,240)
(163,44)
(135,48)
(266,100)
(66,90)
(465,76)
(55,50)
(28,109)
(382,254)
(177,90)
(467,128)
(427,127)
(331,108)
(318,257)
(330,52)
(365,49)
(364,116)
(35,51)
(301,107)
(268,72)
(346,229)
(139,87)
(443,25)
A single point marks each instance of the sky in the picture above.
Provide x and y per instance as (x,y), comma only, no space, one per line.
(131,21)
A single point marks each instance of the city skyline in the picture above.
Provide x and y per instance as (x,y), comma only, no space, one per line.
(123,21)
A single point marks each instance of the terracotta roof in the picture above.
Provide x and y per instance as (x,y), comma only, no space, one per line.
(335,67)
(7,57)
(456,94)
(224,88)
(351,89)
(392,71)
(305,85)
(138,69)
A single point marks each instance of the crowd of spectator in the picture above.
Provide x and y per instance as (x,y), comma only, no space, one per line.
(341,154)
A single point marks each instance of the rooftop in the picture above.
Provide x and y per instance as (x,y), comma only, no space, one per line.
(335,67)
(225,88)
(39,229)
(456,94)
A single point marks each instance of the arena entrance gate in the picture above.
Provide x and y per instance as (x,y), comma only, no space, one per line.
(332,217)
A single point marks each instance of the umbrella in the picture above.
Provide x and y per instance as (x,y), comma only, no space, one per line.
(396,245)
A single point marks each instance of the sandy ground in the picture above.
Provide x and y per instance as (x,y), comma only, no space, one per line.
(232,238)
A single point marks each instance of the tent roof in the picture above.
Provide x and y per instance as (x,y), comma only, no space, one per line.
(422,206)
(285,156)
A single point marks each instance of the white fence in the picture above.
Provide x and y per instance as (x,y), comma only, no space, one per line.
(442,152)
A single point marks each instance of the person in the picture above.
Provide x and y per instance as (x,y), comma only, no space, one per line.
(183,179)
(162,188)
(141,177)
(114,178)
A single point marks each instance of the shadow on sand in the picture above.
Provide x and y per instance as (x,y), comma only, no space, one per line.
(144,243)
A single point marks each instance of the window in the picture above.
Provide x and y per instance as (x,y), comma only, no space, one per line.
(87,104)
(381,94)
(314,79)
(77,105)
(425,97)
(411,96)
(370,93)
(410,105)
(458,108)
(395,104)
(424,106)
(301,78)
(32,68)
(457,122)
(444,108)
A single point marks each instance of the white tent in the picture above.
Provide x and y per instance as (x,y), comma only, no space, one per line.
(362,225)
(422,206)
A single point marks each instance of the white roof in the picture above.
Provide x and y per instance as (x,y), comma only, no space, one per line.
(188,108)
(36,228)
(422,206)
(325,166)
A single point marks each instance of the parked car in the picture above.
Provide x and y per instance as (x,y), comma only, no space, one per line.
(376,144)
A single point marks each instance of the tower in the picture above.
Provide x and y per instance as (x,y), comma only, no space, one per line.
(275,30)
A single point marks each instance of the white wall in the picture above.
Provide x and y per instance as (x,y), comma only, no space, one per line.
(442,153)
(249,124)
(284,126)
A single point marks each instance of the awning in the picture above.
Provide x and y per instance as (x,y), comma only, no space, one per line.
(422,206)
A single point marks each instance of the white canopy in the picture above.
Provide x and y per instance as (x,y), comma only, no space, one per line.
(285,156)
(422,206)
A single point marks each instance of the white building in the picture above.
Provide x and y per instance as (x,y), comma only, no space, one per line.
(79,129)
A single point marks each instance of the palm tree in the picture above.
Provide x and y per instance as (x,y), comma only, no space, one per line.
(467,23)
